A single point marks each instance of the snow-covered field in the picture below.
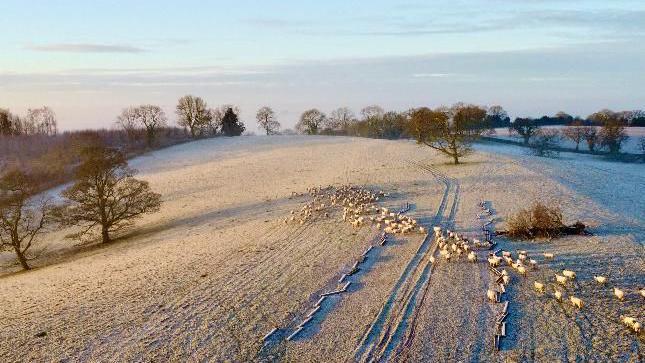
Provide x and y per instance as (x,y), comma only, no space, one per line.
(631,145)
(207,277)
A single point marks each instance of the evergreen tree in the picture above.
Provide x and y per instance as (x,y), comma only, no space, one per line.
(231,126)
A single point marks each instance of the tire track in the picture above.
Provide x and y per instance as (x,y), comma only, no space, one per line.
(403,335)
(387,328)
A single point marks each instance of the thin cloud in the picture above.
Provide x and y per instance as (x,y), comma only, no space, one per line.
(85,48)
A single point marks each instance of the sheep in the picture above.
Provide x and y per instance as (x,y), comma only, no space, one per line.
(522,257)
(504,273)
(561,279)
(506,279)
(539,287)
(491,295)
(600,279)
(432,259)
(534,264)
(447,256)
(521,270)
(631,323)
(378,225)
(558,295)
(620,294)
(472,257)
(569,274)
(422,230)
(642,292)
(454,247)
(493,261)
(548,256)
(577,302)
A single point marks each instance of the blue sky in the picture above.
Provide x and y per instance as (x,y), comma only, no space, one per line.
(89,59)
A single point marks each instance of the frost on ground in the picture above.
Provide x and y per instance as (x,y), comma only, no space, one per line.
(216,269)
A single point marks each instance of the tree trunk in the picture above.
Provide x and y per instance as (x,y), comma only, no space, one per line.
(105,234)
(456,158)
(577,145)
(526,139)
(22,258)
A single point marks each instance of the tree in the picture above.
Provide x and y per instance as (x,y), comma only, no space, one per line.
(591,137)
(266,120)
(311,121)
(372,112)
(231,126)
(341,119)
(612,134)
(43,120)
(575,132)
(193,114)
(21,218)
(449,130)
(152,117)
(105,193)
(496,117)
(7,123)
(525,127)
(545,142)
(218,115)
(127,120)
(600,117)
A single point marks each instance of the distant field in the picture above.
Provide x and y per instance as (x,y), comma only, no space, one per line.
(212,273)
(630,146)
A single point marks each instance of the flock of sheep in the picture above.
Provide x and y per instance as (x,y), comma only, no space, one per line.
(520,265)
(359,209)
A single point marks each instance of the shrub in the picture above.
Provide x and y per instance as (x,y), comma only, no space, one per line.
(538,221)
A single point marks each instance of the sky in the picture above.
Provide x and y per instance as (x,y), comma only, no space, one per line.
(90,59)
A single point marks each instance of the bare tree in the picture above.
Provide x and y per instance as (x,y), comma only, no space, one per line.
(22,219)
(311,121)
(449,130)
(612,134)
(525,127)
(105,194)
(575,132)
(545,142)
(128,121)
(341,119)
(193,114)
(496,116)
(152,118)
(591,137)
(266,120)
(43,120)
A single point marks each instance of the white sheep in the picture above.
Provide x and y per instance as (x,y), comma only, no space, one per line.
(493,261)
(521,270)
(642,292)
(577,302)
(631,323)
(472,257)
(491,295)
(504,272)
(600,279)
(422,230)
(534,264)
(432,259)
(506,279)
(506,254)
(539,287)
(549,256)
(561,279)
(569,274)
(558,295)
(620,294)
